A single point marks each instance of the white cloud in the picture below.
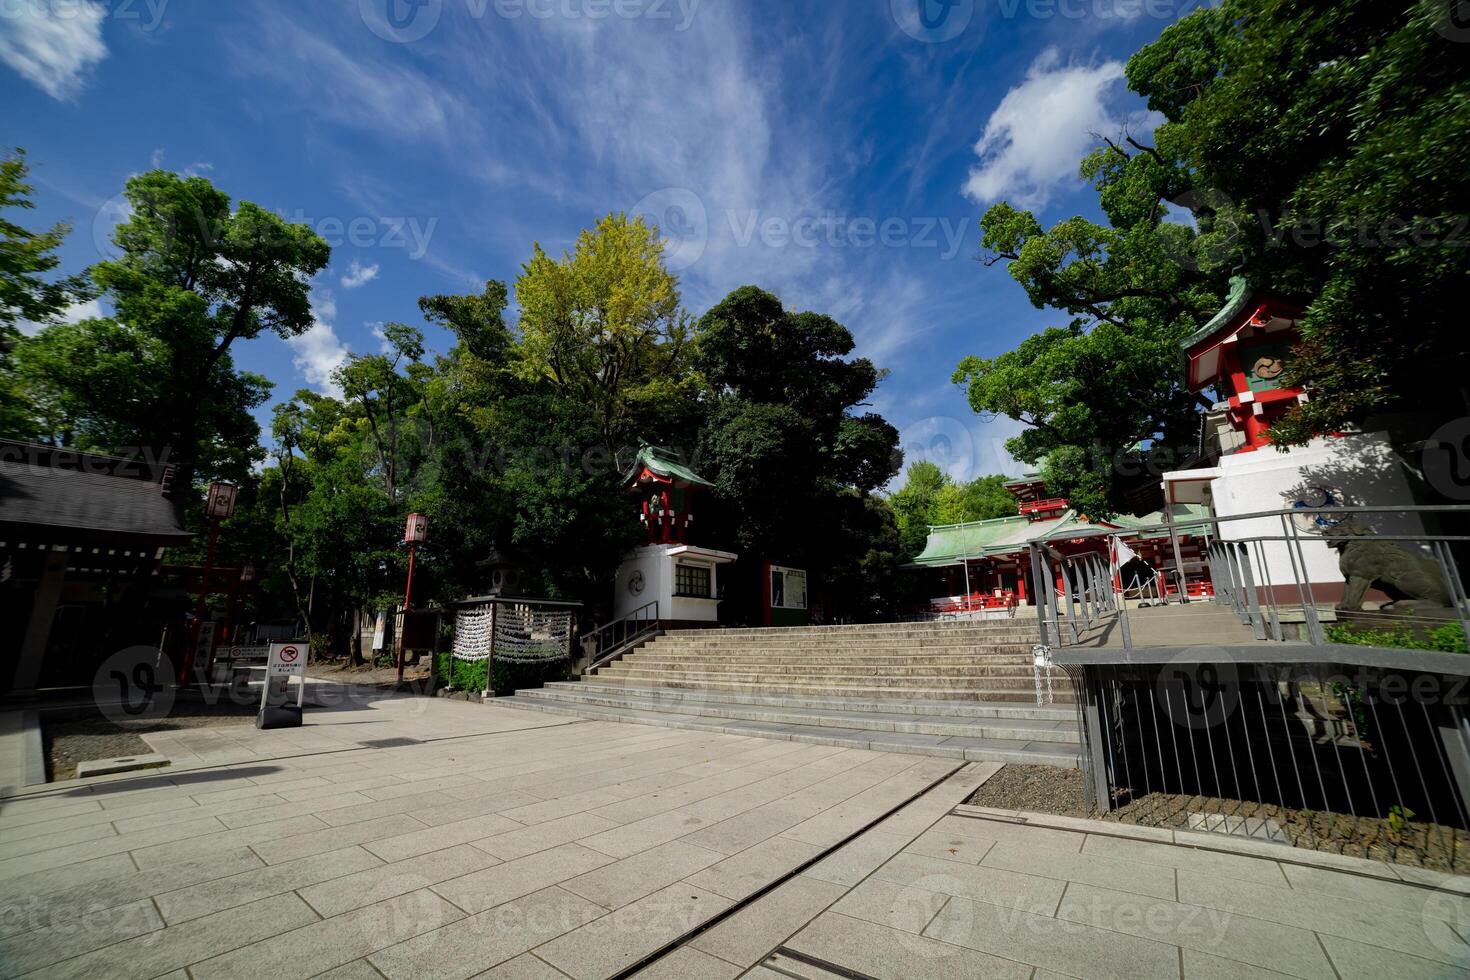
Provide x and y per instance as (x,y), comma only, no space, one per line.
(318,352)
(359,275)
(1041,130)
(53,44)
(76,313)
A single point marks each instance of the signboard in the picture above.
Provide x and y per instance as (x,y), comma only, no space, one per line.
(287,659)
(417,531)
(221,502)
(788,588)
(380,631)
(204,642)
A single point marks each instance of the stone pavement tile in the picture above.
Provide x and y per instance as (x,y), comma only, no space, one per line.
(540,811)
(524,967)
(855,860)
(888,954)
(356,970)
(1123,876)
(330,943)
(624,882)
(1008,888)
(1065,947)
(457,810)
(619,939)
(179,946)
(385,881)
(56,857)
(419,841)
(494,886)
(1360,961)
(417,787)
(1210,863)
(951,846)
(213,896)
(120,819)
(200,848)
(475,944)
(1203,966)
(747,936)
(1425,876)
(751,827)
(377,809)
(629,839)
(685,963)
(1003,830)
(1329,915)
(528,840)
(755,867)
(68,897)
(1391,894)
(21,811)
(62,940)
(290,845)
(68,884)
(907,908)
(649,804)
(210,808)
(282,811)
(1257,942)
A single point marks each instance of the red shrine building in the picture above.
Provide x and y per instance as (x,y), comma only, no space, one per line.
(984,568)
(668,569)
(1240,359)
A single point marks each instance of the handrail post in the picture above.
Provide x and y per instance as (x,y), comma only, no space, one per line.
(1039,592)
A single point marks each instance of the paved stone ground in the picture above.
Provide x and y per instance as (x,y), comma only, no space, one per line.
(505,843)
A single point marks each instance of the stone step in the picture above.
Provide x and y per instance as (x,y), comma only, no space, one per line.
(869,629)
(801,663)
(893,677)
(827,687)
(973,749)
(933,708)
(811,669)
(836,715)
(851,642)
(947,650)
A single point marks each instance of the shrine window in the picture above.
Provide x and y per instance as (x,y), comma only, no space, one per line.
(692,581)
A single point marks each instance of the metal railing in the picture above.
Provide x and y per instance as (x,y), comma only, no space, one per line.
(1363,754)
(1265,579)
(609,642)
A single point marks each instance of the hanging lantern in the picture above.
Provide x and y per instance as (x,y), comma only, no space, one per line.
(247,573)
(220,505)
(417,531)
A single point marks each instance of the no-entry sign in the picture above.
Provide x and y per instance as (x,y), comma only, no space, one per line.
(288,659)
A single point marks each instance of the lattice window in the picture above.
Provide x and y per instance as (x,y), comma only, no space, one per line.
(692,581)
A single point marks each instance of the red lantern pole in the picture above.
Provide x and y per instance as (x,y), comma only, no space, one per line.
(416,531)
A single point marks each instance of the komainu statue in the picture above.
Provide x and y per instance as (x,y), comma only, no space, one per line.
(1399,573)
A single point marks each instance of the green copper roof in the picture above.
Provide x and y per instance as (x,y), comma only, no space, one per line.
(664,464)
(1192,518)
(952,543)
(1235,304)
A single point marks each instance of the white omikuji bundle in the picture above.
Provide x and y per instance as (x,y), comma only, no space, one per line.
(520,634)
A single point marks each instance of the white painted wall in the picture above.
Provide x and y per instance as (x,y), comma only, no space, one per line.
(1362,469)
(656,562)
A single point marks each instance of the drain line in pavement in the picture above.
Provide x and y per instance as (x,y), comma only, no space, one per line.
(771,886)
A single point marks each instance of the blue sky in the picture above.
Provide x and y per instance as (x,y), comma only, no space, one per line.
(840,154)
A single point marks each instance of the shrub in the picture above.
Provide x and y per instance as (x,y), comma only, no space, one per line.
(1449,638)
(509,675)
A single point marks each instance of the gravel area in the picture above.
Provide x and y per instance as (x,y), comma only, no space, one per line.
(71,741)
(1048,789)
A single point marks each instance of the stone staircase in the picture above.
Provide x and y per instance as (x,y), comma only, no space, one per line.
(958,690)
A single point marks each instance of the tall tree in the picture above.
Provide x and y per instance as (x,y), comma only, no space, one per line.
(27,294)
(1331,139)
(604,324)
(794,458)
(193,277)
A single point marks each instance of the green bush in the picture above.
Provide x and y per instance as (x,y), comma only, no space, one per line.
(1449,638)
(509,675)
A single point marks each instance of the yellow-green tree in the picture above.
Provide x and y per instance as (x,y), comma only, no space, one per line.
(604,323)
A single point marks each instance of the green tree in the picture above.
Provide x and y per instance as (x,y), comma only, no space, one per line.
(605,326)
(1330,141)
(794,461)
(929,497)
(26,291)
(1110,383)
(193,277)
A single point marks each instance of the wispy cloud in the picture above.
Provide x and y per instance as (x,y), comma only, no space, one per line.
(54,46)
